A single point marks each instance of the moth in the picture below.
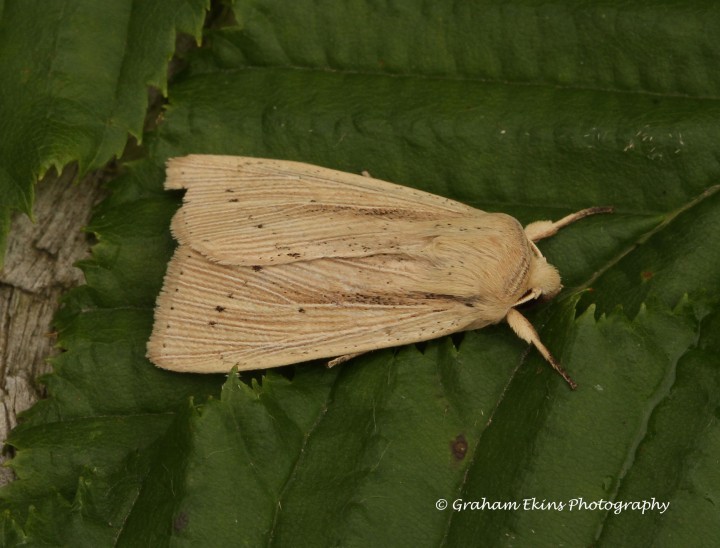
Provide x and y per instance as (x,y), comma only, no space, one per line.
(281,262)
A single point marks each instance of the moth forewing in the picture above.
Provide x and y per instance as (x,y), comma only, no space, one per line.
(248,211)
(281,262)
(211,317)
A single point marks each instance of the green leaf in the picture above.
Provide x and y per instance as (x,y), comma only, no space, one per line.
(74,85)
(532,110)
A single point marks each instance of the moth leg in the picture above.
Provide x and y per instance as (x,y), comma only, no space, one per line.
(343,359)
(365,173)
(544,229)
(524,329)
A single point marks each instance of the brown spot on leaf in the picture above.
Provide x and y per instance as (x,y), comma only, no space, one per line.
(646,275)
(181,521)
(459,447)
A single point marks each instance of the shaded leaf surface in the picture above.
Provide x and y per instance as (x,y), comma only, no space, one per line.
(74,84)
(359,455)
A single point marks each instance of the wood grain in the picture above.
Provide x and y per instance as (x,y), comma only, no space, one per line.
(38,269)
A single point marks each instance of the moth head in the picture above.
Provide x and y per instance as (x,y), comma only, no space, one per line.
(543,278)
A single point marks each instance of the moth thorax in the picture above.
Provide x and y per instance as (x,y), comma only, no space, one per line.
(545,277)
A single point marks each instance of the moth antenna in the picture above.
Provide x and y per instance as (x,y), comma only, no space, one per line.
(525,330)
(544,229)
